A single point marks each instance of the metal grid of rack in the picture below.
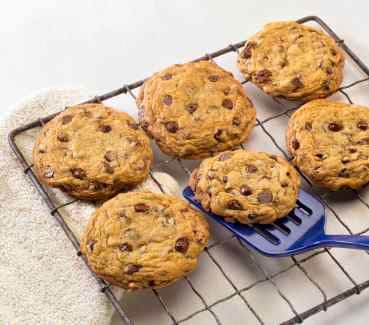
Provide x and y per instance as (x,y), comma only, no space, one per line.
(356,288)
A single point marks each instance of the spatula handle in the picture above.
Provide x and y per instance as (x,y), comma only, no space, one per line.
(345,241)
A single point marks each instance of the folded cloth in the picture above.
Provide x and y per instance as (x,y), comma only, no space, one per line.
(42,280)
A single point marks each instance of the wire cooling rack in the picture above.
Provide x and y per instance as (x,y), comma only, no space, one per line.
(298,317)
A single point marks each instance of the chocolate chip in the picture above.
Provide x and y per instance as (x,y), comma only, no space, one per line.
(110,155)
(125,247)
(284,184)
(62,137)
(364,141)
(108,169)
(335,127)
(245,190)
(252,216)
(182,245)
(344,173)
(141,207)
(247,52)
(295,144)
(333,52)
(91,244)
(122,214)
(87,113)
(234,205)
(66,119)
(98,186)
(236,121)
(308,126)
(284,63)
(167,100)
(213,78)
(225,179)
(224,156)
(151,283)
(191,108)
(263,76)
(227,103)
(226,91)
(131,268)
(210,176)
(326,85)
(362,125)
(167,76)
(105,128)
(352,150)
(297,83)
(345,160)
(171,127)
(251,169)
(320,156)
(67,187)
(265,197)
(48,172)
(144,125)
(133,125)
(78,173)
(329,71)
(218,135)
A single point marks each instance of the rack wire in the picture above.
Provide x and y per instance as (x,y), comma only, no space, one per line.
(356,288)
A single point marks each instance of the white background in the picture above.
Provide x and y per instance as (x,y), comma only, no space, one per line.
(101,45)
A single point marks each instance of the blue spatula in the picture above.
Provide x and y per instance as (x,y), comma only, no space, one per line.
(300,231)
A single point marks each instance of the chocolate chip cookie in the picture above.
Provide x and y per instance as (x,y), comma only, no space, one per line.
(141,240)
(245,186)
(92,152)
(293,61)
(329,142)
(194,110)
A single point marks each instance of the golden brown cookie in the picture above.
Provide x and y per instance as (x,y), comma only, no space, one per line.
(92,152)
(141,240)
(329,142)
(246,186)
(193,110)
(293,61)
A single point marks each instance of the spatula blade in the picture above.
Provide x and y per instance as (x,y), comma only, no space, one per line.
(287,236)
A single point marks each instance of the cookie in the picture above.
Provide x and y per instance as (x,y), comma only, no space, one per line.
(194,110)
(245,186)
(141,240)
(292,61)
(92,152)
(329,142)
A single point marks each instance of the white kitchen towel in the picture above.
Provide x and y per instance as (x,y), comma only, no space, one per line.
(42,281)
